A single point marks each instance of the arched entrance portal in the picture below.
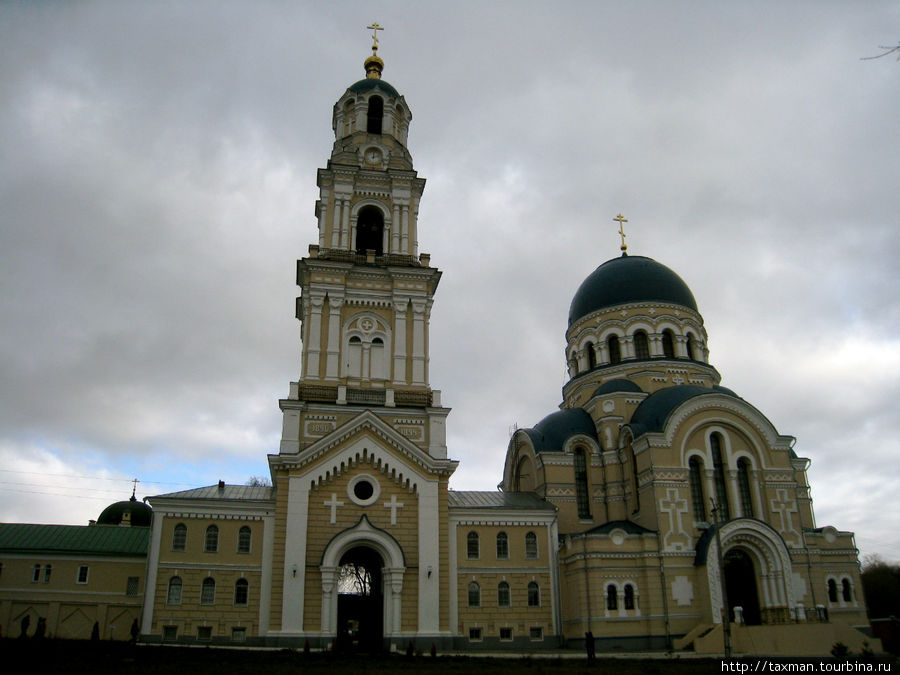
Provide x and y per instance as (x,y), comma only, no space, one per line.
(740,584)
(360,610)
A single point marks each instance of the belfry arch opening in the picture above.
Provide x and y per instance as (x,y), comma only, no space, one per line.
(360,615)
(370,230)
(375,114)
(740,585)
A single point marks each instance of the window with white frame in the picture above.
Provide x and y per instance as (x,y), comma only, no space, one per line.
(82,575)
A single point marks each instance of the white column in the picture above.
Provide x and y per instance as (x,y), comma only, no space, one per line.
(429,559)
(314,337)
(295,556)
(336,224)
(453,573)
(265,583)
(395,230)
(733,496)
(627,343)
(400,341)
(404,234)
(681,346)
(329,581)
(152,573)
(333,349)
(345,224)
(322,211)
(418,364)
(352,233)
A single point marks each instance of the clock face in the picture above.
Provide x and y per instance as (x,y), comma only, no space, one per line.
(373,156)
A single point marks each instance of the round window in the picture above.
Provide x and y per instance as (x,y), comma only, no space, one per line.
(363,490)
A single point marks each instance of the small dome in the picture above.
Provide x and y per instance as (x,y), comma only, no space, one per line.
(114,513)
(627,279)
(552,432)
(371,83)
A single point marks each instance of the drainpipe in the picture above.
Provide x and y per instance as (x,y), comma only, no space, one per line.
(665,589)
(587,582)
(720,560)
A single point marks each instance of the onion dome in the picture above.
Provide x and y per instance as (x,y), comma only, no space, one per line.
(629,279)
(138,514)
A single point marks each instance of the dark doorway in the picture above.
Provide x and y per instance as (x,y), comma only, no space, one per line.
(369,230)
(740,584)
(360,600)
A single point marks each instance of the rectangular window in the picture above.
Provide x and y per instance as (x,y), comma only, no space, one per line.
(506,634)
(536,633)
(133,586)
(170,633)
(82,577)
(474,635)
(238,634)
(204,633)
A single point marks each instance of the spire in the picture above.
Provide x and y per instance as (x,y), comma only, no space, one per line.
(374,65)
(621,220)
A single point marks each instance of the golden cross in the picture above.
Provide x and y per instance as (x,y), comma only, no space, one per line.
(375,28)
(621,220)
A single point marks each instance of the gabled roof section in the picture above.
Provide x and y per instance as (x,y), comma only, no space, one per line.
(92,540)
(366,421)
(251,493)
(517,501)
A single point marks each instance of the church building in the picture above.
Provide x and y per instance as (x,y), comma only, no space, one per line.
(654,509)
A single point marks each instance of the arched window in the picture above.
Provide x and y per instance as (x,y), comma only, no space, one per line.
(244,535)
(472,548)
(376,360)
(503,594)
(208,591)
(474,594)
(846,592)
(502,546)
(531,549)
(612,597)
(715,442)
(354,357)
(832,590)
(173,596)
(743,476)
(179,537)
(534,594)
(370,230)
(212,539)
(696,478)
(375,115)
(591,355)
(241,592)
(641,345)
(668,344)
(691,348)
(628,600)
(615,353)
(581,484)
(48,570)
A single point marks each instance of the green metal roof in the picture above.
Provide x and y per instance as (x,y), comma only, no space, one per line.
(628,279)
(370,83)
(74,539)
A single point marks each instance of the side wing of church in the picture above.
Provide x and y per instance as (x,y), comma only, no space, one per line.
(654,509)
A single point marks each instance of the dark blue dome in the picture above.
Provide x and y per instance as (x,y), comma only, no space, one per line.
(552,432)
(140,513)
(369,83)
(630,278)
(616,385)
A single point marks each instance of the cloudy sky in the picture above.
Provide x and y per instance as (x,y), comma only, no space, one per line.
(157,182)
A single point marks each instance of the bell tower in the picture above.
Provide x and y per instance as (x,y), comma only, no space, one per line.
(366,291)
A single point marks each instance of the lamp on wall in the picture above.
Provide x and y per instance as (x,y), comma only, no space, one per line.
(294,571)
(429,571)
